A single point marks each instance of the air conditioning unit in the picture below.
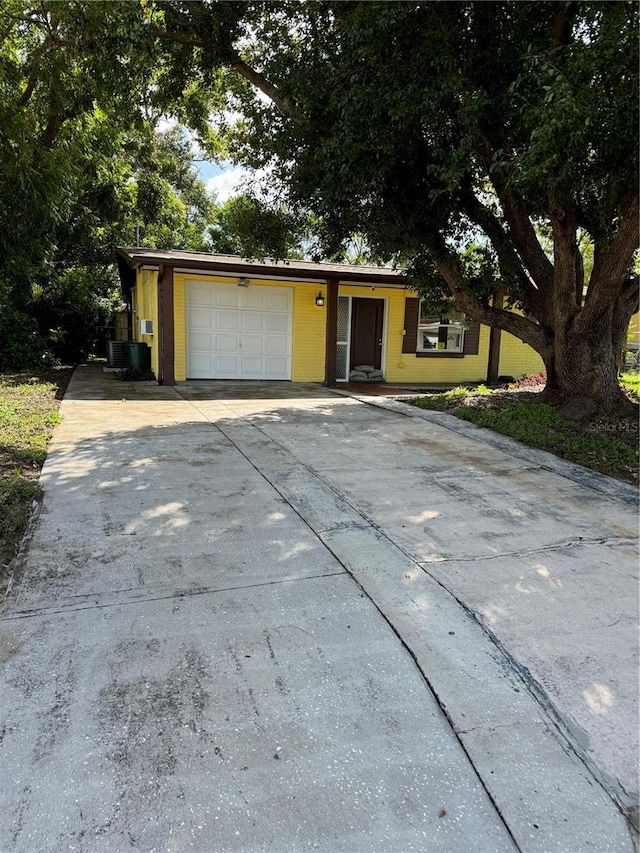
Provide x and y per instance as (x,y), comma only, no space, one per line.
(146,327)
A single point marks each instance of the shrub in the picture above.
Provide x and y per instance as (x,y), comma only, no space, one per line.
(21,344)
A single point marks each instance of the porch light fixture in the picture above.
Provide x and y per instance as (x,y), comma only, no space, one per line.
(243,282)
(320,300)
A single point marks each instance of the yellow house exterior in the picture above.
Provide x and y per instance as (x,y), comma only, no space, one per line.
(221,317)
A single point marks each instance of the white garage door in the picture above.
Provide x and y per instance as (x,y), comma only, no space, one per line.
(238,332)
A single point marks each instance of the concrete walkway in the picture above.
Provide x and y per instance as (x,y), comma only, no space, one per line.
(278,618)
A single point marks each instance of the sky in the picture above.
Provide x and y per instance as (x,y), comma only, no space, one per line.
(223,180)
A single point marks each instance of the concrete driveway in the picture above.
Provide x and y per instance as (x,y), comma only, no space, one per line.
(279,618)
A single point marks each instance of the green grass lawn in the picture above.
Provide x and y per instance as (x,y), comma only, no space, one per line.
(28,412)
(607,445)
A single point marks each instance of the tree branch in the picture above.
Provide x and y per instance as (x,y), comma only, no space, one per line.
(54,124)
(567,302)
(230,57)
(528,331)
(611,259)
(522,231)
(562,23)
(537,301)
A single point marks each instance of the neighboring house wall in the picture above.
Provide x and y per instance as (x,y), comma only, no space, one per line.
(634,333)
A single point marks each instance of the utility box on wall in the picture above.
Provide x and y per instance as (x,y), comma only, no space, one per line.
(146,327)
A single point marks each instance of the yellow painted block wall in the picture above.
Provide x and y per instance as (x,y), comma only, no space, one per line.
(309,334)
(518,359)
(145,306)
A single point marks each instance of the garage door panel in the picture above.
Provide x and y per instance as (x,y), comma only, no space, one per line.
(252,344)
(224,344)
(252,321)
(200,295)
(225,365)
(226,320)
(274,367)
(254,298)
(277,302)
(276,346)
(197,318)
(225,297)
(238,333)
(201,363)
(201,342)
(278,323)
(251,364)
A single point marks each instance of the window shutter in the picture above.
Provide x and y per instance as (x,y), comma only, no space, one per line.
(472,339)
(410,340)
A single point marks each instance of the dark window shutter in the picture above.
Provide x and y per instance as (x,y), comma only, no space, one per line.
(410,340)
(471,339)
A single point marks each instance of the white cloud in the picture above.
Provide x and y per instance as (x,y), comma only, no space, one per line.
(226,183)
(165,123)
(233,181)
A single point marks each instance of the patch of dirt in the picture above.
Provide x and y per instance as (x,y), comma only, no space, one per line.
(58,376)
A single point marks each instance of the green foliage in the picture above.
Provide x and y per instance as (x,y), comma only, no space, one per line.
(170,201)
(247,226)
(20,341)
(80,167)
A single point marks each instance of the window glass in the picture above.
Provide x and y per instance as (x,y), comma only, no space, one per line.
(444,334)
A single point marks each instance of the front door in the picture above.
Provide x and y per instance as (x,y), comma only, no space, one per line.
(367,316)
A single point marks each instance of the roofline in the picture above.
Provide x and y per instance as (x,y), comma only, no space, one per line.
(203,263)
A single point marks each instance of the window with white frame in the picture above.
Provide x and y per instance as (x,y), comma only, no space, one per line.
(440,334)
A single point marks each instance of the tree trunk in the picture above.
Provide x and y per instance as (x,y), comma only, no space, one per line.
(582,369)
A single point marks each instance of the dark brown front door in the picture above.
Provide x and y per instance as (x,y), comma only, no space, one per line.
(366,332)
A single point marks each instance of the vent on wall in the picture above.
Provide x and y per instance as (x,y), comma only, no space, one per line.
(146,327)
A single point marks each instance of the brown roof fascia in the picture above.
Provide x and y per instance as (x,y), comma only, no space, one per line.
(135,258)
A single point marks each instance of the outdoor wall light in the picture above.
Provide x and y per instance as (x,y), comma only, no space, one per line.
(320,300)
(243,282)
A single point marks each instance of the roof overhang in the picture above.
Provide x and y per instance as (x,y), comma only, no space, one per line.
(202,263)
